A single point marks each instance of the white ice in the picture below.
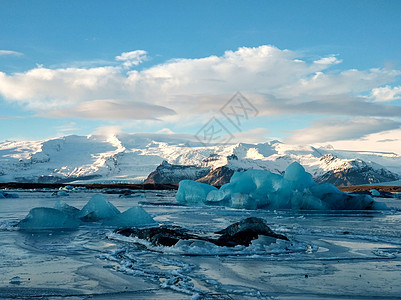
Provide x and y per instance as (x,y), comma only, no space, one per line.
(260,189)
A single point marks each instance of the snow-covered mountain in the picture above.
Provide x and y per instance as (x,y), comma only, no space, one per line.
(132,157)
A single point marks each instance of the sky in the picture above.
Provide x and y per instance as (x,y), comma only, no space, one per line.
(302,72)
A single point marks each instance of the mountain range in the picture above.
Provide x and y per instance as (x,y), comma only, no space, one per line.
(165,158)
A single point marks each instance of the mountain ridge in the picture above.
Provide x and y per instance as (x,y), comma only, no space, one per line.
(132,158)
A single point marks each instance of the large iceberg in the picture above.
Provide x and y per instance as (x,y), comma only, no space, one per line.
(260,189)
(48,218)
(97,208)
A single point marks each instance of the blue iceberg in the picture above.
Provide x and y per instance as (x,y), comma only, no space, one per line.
(260,189)
(192,192)
(136,216)
(40,218)
(97,208)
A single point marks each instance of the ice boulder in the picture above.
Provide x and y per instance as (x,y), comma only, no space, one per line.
(40,218)
(97,208)
(296,175)
(192,192)
(136,216)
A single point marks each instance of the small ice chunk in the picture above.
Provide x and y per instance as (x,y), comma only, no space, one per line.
(97,208)
(193,192)
(374,193)
(11,195)
(62,193)
(133,217)
(16,280)
(47,218)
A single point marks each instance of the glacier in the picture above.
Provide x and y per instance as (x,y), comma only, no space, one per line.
(262,189)
(131,158)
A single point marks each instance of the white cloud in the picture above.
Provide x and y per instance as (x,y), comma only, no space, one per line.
(165,131)
(330,60)
(328,130)
(252,136)
(386,93)
(111,110)
(275,81)
(108,130)
(9,52)
(132,58)
(385,141)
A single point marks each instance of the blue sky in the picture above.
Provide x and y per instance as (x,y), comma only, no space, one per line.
(317,71)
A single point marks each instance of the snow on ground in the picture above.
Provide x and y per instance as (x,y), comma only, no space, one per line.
(132,157)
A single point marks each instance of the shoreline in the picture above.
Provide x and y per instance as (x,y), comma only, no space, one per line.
(163,186)
(92,186)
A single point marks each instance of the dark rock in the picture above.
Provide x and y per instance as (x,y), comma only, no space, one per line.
(218,176)
(244,232)
(240,233)
(159,236)
(173,174)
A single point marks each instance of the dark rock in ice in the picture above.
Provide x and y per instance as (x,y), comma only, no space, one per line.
(244,232)
(159,236)
(240,233)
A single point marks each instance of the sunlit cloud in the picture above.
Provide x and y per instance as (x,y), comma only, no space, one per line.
(386,93)
(327,130)
(191,91)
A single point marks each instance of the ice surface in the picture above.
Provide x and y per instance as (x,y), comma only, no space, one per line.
(259,189)
(133,217)
(48,218)
(193,192)
(98,208)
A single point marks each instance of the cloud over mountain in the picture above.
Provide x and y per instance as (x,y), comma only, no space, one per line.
(276,81)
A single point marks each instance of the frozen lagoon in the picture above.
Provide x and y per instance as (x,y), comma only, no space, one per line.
(334,254)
